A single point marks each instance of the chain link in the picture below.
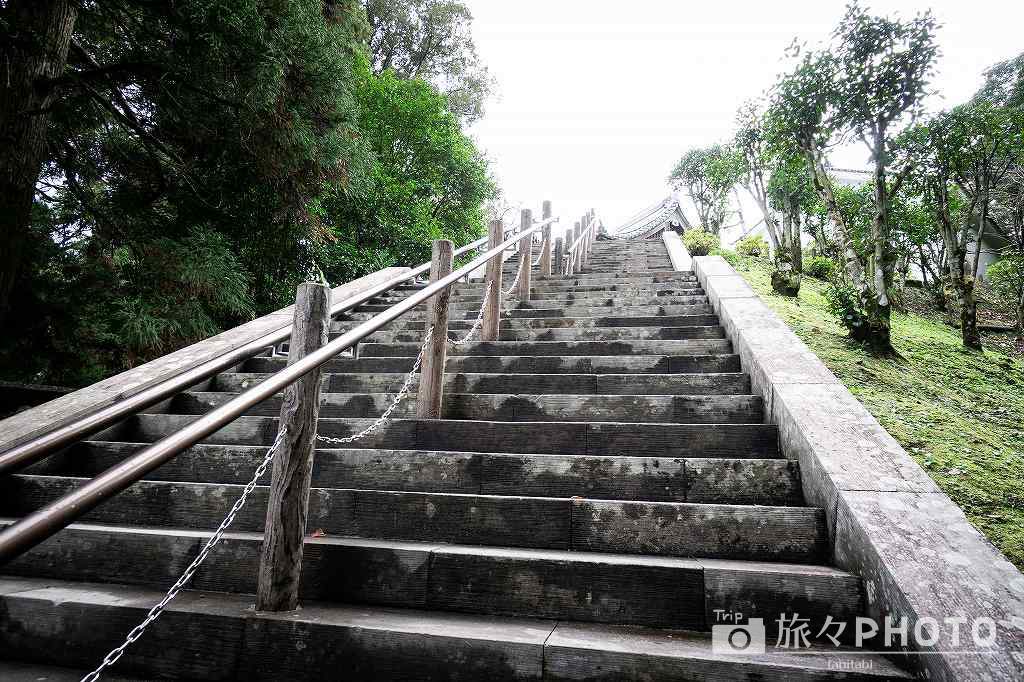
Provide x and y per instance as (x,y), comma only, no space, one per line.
(476,325)
(402,392)
(154,613)
(508,292)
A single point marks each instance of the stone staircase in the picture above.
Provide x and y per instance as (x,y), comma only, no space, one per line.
(602,488)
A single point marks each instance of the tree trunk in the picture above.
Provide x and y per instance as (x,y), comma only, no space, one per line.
(1020,314)
(40,33)
(969,316)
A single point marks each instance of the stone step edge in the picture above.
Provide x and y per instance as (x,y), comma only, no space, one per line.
(536,648)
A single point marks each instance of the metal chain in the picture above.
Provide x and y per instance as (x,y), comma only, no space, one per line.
(508,292)
(402,392)
(479,320)
(154,613)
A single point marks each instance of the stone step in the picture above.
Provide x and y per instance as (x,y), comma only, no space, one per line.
(601,296)
(521,323)
(214,635)
(513,310)
(528,364)
(570,286)
(683,529)
(502,581)
(565,334)
(756,441)
(557,348)
(732,383)
(619,302)
(662,409)
(660,479)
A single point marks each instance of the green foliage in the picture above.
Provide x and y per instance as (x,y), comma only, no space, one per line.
(700,242)
(821,267)
(217,153)
(431,40)
(731,257)
(1007,278)
(753,245)
(707,174)
(428,181)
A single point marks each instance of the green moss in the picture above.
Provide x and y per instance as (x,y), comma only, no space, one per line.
(960,414)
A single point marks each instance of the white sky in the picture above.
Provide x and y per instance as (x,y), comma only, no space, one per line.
(598,99)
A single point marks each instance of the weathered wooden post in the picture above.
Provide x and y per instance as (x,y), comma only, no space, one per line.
(492,313)
(525,257)
(431,391)
(567,253)
(558,265)
(545,253)
(281,557)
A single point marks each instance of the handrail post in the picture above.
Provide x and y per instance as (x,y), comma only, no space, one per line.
(577,262)
(545,253)
(492,284)
(285,529)
(559,267)
(568,252)
(431,390)
(525,258)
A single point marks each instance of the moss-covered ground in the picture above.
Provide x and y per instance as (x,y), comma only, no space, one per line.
(960,414)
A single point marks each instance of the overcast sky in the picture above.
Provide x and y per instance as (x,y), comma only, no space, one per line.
(598,99)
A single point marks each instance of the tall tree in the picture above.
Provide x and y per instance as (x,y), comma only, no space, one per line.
(34,40)
(752,142)
(431,40)
(790,193)
(707,175)
(870,84)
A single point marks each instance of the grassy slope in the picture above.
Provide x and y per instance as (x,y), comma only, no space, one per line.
(959,414)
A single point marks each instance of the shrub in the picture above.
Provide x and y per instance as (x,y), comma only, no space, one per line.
(820,267)
(731,257)
(1007,278)
(700,242)
(754,245)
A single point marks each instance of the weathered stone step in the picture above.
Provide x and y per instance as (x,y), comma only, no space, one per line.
(661,409)
(684,529)
(512,310)
(566,334)
(557,348)
(568,286)
(731,383)
(602,297)
(577,438)
(555,584)
(659,479)
(619,301)
(521,323)
(216,635)
(528,364)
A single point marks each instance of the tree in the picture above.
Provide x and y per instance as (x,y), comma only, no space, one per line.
(707,175)
(428,181)
(754,147)
(790,193)
(34,40)
(431,40)
(870,84)
(186,143)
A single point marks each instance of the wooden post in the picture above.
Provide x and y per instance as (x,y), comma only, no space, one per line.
(492,315)
(558,266)
(281,557)
(431,391)
(568,254)
(525,257)
(545,253)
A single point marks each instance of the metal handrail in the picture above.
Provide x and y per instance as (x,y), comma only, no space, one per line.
(41,524)
(45,444)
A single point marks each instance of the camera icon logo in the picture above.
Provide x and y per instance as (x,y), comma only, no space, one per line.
(733,638)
